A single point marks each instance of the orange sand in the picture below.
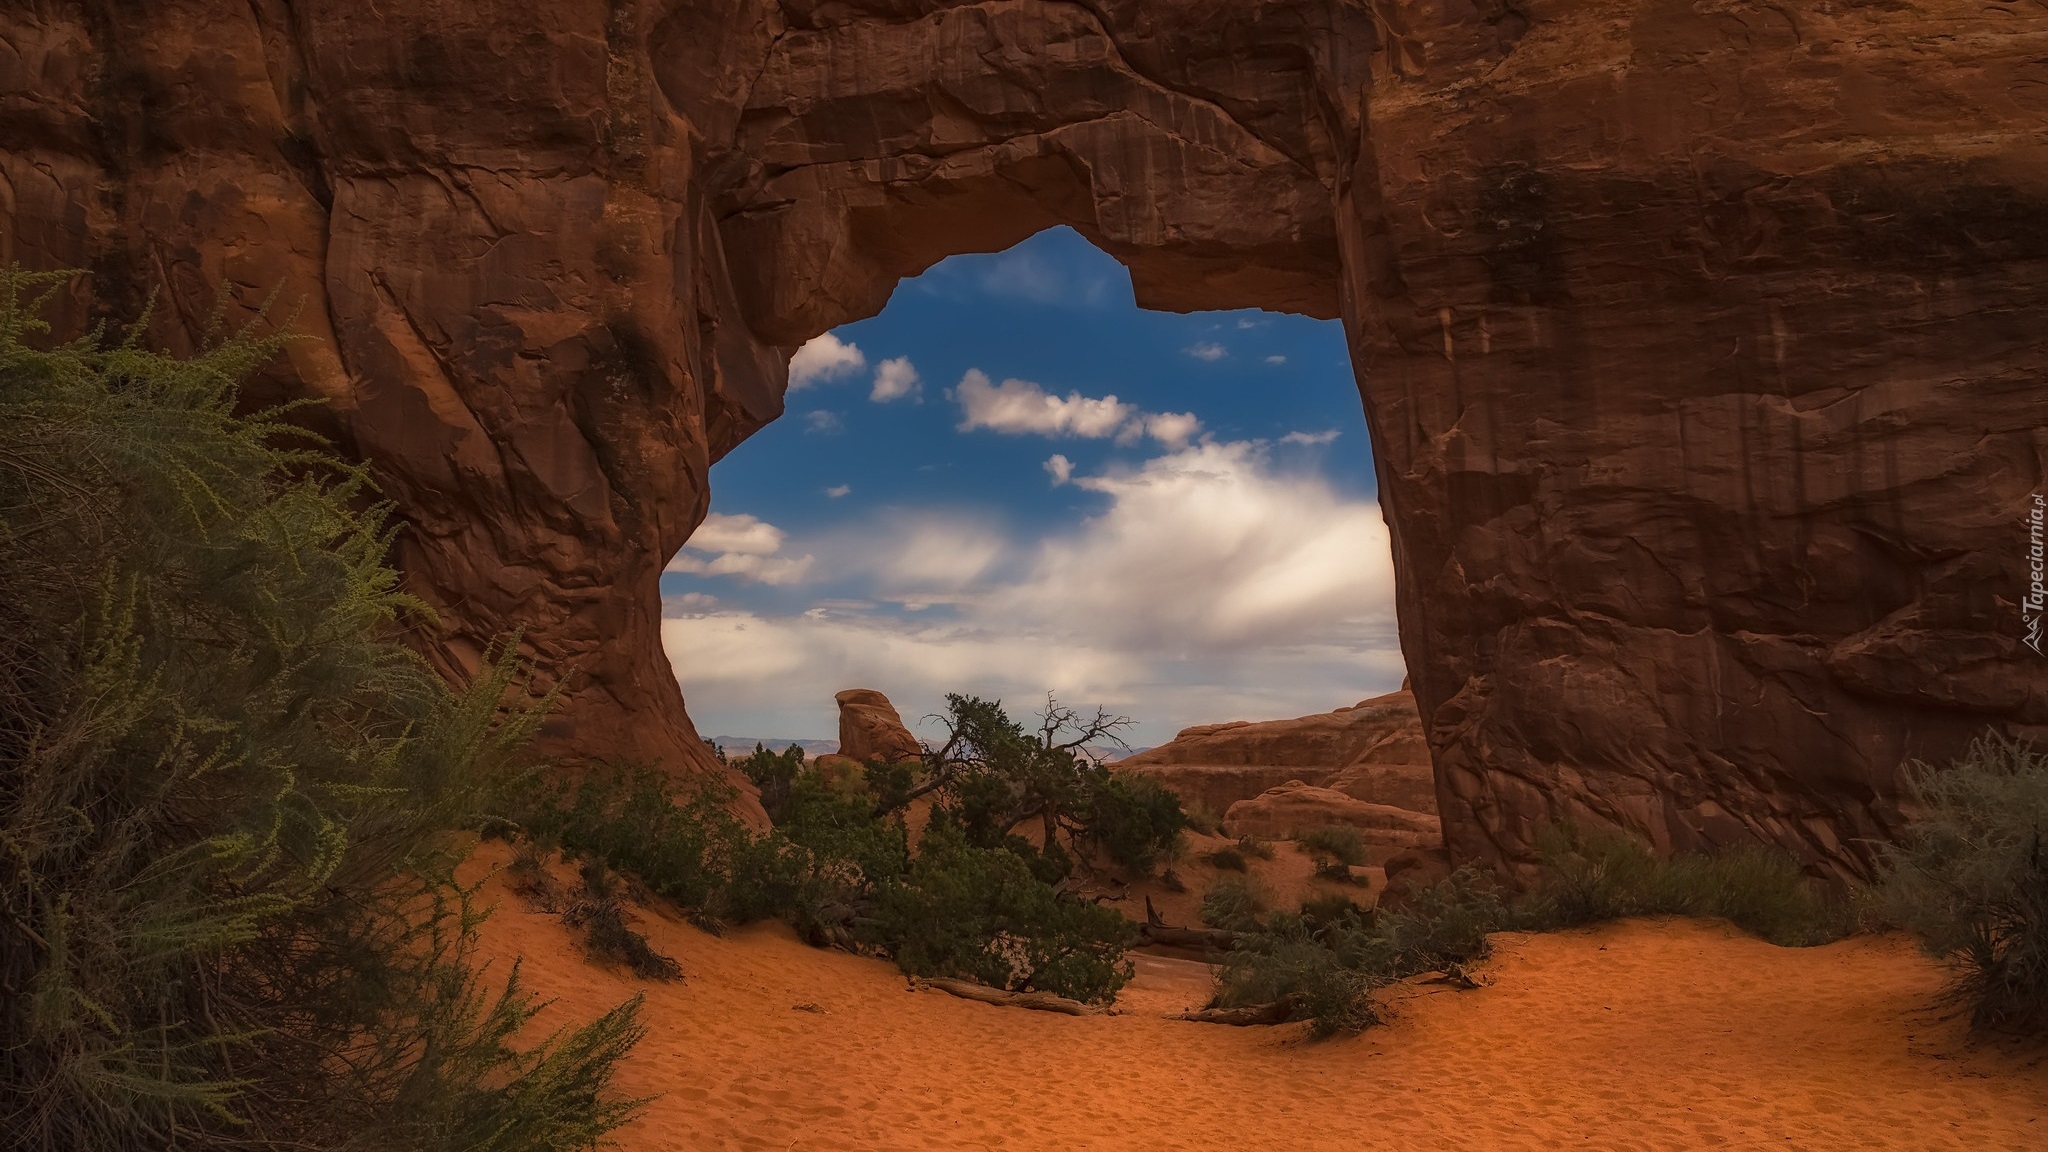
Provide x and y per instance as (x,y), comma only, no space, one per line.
(1643,1035)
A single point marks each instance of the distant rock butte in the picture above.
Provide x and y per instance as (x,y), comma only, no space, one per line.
(1372,751)
(871,730)
(1698,342)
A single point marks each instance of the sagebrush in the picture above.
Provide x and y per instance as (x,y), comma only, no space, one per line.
(227,790)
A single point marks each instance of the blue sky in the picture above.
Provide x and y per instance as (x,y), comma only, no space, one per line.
(1013,481)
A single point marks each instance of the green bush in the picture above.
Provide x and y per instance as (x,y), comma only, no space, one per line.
(1235,904)
(837,866)
(1594,877)
(227,912)
(1228,860)
(1253,846)
(1971,879)
(979,913)
(1342,846)
(1291,965)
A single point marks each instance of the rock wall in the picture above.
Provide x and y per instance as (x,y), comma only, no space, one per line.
(1698,339)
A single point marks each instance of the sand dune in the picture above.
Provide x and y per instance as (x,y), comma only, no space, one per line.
(1642,1035)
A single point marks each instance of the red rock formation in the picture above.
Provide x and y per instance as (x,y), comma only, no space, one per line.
(1697,337)
(1298,807)
(870,729)
(1373,751)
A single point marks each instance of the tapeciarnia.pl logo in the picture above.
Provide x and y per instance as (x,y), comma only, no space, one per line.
(2031,605)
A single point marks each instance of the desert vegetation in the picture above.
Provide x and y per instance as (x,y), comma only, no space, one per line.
(230,798)
(973,897)
(1970,878)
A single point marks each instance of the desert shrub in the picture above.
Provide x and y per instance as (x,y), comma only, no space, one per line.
(1253,846)
(1589,877)
(1337,845)
(1291,965)
(1970,878)
(979,913)
(1331,908)
(227,793)
(1203,818)
(1443,923)
(1228,860)
(1133,821)
(838,867)
(602,916)
(1235,904)
(773,773)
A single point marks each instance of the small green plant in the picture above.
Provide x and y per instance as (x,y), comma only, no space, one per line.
(1290,965)
(1255,847)
(1228,860)
(1203,818)
(1236,904)
(1970,878)
(602,916)
(1335,845)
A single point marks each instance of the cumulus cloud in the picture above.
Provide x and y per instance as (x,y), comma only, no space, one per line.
(819,422)
(1208,351)
(825,358)
(1211,585)
(894,379)
(1061,469)
(1311,438)
(743,546)
(1027,274)
(1276,359)
(838,490)
(1020,407)
(1173,429)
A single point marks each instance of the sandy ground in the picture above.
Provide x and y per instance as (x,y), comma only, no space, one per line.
(1642,1035)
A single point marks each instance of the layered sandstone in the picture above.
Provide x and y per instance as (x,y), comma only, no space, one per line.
(1697,338)
(1296,807)
(1372,751)
(871,730)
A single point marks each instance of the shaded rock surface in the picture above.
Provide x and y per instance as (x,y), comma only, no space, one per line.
(1699,342)
(870,729)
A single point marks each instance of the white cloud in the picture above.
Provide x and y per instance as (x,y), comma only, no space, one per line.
(1311,438)
(838,490)
(1061,469)
(750,534)
(1020,407)
(819,422)
(1276,359)
(1025,274)
(1016,407)
(824,358)
(1208,351)
(742,546)
(686,603)
(1212,586)
(1244,322)
(1173,429)
(894,379)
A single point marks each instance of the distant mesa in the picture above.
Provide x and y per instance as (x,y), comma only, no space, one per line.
(1372,752)
(735,746)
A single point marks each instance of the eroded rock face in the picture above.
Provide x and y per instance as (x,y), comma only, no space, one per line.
(1698,339)
(1297,806)
(1372,751)
(871,730)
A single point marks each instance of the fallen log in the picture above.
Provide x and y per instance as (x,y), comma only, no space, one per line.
(1037,1001)
(1201,939)
(1251,1015)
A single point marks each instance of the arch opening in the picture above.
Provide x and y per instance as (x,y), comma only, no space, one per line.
(1014,480)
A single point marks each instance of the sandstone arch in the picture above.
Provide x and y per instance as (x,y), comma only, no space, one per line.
(1698,338)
